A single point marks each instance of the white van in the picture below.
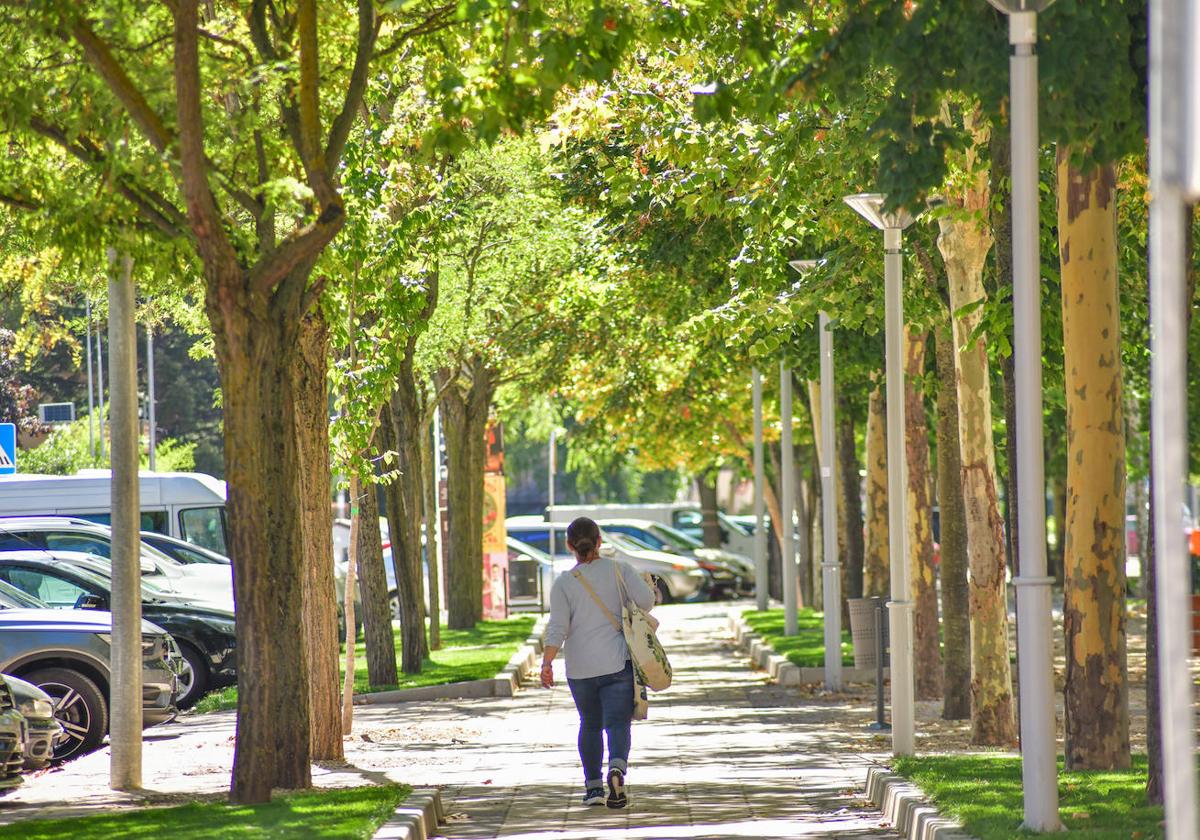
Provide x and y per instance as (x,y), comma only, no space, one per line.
(187,506)
(684,516)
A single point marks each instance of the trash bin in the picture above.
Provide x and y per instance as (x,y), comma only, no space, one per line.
(862,630)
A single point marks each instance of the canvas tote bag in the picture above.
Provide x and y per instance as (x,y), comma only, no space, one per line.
(650,664)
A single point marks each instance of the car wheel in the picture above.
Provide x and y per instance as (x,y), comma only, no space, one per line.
(78,705)
(664,590)
(193,676)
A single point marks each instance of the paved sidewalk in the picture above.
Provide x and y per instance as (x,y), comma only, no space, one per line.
(723,755)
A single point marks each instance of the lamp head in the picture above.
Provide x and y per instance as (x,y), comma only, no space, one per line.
(870,207)
(805,266)
(1012,7)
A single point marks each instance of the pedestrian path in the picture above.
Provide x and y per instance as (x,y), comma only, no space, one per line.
(723,755)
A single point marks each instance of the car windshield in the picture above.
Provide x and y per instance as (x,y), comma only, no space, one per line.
(676,538)
(627,542)
(13,598)
(100,577)
(532,551)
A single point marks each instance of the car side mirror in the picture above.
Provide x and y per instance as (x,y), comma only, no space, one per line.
(88,601)
(148,567)
(724,535)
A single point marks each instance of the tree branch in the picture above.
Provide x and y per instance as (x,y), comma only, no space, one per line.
(339,131)
(110,70)
(442,17)
(211,238)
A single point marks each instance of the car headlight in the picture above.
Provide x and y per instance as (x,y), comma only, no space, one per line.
(679,567)
(151,643)
(221,625)
(36,707)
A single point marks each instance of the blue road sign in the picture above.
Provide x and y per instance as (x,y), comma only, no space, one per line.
(8,448)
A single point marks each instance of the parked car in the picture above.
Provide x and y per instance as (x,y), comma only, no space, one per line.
(731,573)
(204,634)
(684,516)
(42,728)
(208,582)
(182,551)
(12,741)
(66,654)
(678,577)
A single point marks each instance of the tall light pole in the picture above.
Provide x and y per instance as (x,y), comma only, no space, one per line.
(787,503)
(150,392)
(831,567)
(1039,768)
(91,400)
(125,726)
(1174,180)
(900,606)
(761,572)
(553,463)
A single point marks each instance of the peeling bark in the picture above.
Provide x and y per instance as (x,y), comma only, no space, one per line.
(926,648)
(876,568)
(850,520)
(377,611)
(1096,694)
(964,244)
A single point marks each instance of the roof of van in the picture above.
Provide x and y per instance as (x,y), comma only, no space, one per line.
(90,488)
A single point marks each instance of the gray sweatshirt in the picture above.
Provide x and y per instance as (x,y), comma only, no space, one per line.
(593,647)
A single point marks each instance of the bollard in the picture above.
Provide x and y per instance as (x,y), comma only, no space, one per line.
(880,725)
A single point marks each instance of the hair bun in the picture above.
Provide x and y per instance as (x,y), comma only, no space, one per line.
(584,546)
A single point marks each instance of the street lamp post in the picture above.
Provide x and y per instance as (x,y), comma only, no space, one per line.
(1174,134)
(553,453)
(761,572)
(870,207)
(831,569)
(791,617)
(1039,769)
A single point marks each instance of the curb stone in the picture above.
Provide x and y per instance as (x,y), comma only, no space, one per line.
(416,818)
(504,684)
(778,667)
(906,806)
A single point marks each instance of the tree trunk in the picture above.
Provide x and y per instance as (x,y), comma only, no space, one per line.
(803,547)
(926,647)
(377,608)
(808,523)
(1154,756)
(850,513)
(964,244)
(774,508)
(256,349)
(956,618)
(706,486)
(876,570)
(479,402)
(320,606)
(429,493)
(1096,696)
(458,479)
(1060,527)
(400,424)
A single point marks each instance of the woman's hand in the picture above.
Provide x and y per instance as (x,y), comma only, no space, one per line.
(547,675)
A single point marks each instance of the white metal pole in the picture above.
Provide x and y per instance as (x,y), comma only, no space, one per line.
(787,504)
(1168,416)
(100,388)
(125,718)
(761,572)
(830,562)
(900,605)
(150,391)
(1039,768)
(91,400)
(550,488)
(435,550)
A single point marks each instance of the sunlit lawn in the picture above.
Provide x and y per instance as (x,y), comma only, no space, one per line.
(983,792)
(807,648)
(349,813)
(476,654)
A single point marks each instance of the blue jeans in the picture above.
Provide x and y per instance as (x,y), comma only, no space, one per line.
(604,702)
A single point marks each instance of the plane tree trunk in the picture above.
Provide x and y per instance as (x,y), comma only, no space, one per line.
(876,569)
(376,600)
(1096,694)
(964,243)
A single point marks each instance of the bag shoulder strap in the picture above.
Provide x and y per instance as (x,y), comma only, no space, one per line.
(621,584)
(579,577)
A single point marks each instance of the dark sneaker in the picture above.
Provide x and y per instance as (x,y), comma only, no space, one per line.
(616,789)
(594,796)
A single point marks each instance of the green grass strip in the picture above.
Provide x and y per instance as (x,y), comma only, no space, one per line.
(983,792)
(346,813)
(475,654)
(806,648)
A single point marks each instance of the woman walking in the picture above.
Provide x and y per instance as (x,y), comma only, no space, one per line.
(585,610)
